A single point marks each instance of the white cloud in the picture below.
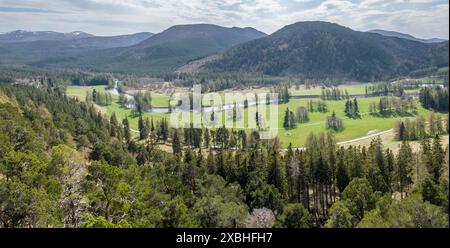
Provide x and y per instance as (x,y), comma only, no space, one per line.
(423,18)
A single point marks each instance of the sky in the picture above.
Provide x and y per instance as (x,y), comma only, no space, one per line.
(421,18)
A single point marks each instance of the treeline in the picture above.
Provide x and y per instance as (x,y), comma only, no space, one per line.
(53,77)
(385,89)
(435,99)
(421,128)
(212,82)
(98,97)
(433,72)
(92,80)
(394,106)
(315,82)
(317,106)
(283,92)
(63,164)
(334,93)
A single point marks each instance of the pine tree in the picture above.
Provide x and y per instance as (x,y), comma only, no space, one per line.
(356,107)
(302,115)
(114,125)
(176,146)
(404,167)
(334,123)
(243,139)
(286,118)
(164,130)
(380,176)
(207,137)
(342,178)
(126,130)
(276,172)
(291,173)
(258,120)
(292,121)
(146,127)
(347,108)
(432,125)
(438,156)
(152,126)
(143,132)
(401,132)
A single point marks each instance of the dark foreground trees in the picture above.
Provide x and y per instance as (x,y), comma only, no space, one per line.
(435,99)
(212,178)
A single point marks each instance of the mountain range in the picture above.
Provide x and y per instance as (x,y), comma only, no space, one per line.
(321,49)
(311,49)
(166,51)
(405,36)
(29,36)
(33,47)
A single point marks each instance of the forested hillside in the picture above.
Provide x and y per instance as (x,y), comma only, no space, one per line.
(64,164)
(30,36)
(311,50)
(326,50)
(138,53)
(164,52)
(405,36)
(36,52)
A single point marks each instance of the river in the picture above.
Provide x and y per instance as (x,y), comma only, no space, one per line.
(163,110)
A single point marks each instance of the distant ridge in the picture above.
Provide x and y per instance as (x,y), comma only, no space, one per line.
(30,36)
(405,36)
(166,51)
(305,49)
(327,50)
(43,50)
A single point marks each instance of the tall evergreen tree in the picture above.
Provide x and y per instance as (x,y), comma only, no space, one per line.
(342,178)
(126,130)
(176,145)
(404,167)
(438,156)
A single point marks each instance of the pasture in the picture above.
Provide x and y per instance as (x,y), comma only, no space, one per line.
(353,128)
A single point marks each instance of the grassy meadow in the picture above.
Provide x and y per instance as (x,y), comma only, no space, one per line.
(353,89)
(353,128)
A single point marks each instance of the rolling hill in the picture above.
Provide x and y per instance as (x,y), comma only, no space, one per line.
(166,51)
(30,36)
(310,49)
(48,50)
(321,50)
(405,36)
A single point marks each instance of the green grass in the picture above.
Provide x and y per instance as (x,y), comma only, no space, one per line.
(353,128)
(121,113)
(353,89)
(412,91)
(160,100)
(80,91)
(431,80)
(357,89)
